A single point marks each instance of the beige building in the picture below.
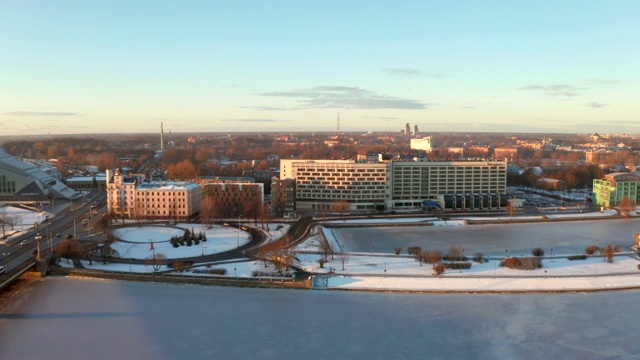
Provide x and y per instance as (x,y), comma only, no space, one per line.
(133,196)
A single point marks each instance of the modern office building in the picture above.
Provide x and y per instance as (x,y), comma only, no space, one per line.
(134,196)
(322,183)
(614,187)
(396,184)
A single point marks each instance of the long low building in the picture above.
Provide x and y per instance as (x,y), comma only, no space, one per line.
(326,185)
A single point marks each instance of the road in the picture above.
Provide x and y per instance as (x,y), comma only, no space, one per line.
(64,222)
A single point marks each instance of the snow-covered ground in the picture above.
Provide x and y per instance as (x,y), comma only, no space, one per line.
(23,220)
(389,272)
(219,239)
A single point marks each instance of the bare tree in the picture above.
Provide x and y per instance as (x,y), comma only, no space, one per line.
(207,210)
(625,206)
(607,252)
(156,261)
(326,248)
(343,257)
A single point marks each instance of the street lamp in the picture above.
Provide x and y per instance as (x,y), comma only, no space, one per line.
(38,238)
(6,262)
(238,237)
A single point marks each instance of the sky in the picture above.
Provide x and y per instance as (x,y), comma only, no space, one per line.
(82,67)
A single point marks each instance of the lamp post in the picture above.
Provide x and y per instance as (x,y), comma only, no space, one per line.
(38,238)
(6,262)
(239,227)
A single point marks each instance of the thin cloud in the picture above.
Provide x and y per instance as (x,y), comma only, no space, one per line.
(252,120)
(345,97)
(414,72)
(39,113)
(603,81)
(594,104)
(560,90)
(264,108)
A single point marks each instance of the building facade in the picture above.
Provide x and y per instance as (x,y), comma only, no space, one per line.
(423,144)
(233,199)
(135,197)
(283,197)
(320,184)
(614,187)
(396,185)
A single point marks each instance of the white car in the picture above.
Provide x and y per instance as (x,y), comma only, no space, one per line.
(2,270)
(23,243)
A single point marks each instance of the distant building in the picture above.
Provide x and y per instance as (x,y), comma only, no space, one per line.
(415,130)
(283,197)
(407,129)
(87,183)
(23,182)
(506,153)
(423,144)
(610,190)
(235,199)
(133,196)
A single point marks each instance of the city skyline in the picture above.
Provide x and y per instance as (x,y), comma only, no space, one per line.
(73,67)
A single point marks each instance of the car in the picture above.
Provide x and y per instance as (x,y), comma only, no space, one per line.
(95,212)
(58,235)
(23,243)
(85,221)
(2,270)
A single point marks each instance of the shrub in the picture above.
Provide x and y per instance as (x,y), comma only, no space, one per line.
(479,257)
(455,253)
(577,257)
(511,263)
(397,250)
(216,271)
(530,263)
(321,262)
(433,257)
(458,265)
(537,252)
(638,266)
(617,249)
(438,268)
(412,250)
(591,249)
(180,265)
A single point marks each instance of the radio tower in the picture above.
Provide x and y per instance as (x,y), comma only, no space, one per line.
(338,123)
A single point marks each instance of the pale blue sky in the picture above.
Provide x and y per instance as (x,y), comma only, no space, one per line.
(70,67)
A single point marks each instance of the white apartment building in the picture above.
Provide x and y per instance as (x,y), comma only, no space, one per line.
(399,184)
(133,196)
(422,144)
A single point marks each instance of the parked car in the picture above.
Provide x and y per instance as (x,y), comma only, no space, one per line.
(85,221)
(2,270)
(58,235)
(23,242)
(95,212)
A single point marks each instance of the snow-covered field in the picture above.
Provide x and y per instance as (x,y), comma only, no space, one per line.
(219,239)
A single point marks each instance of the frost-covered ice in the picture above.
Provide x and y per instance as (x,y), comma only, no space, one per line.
(100,319)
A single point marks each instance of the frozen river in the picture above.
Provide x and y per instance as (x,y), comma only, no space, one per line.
(516,239)
(64,318)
